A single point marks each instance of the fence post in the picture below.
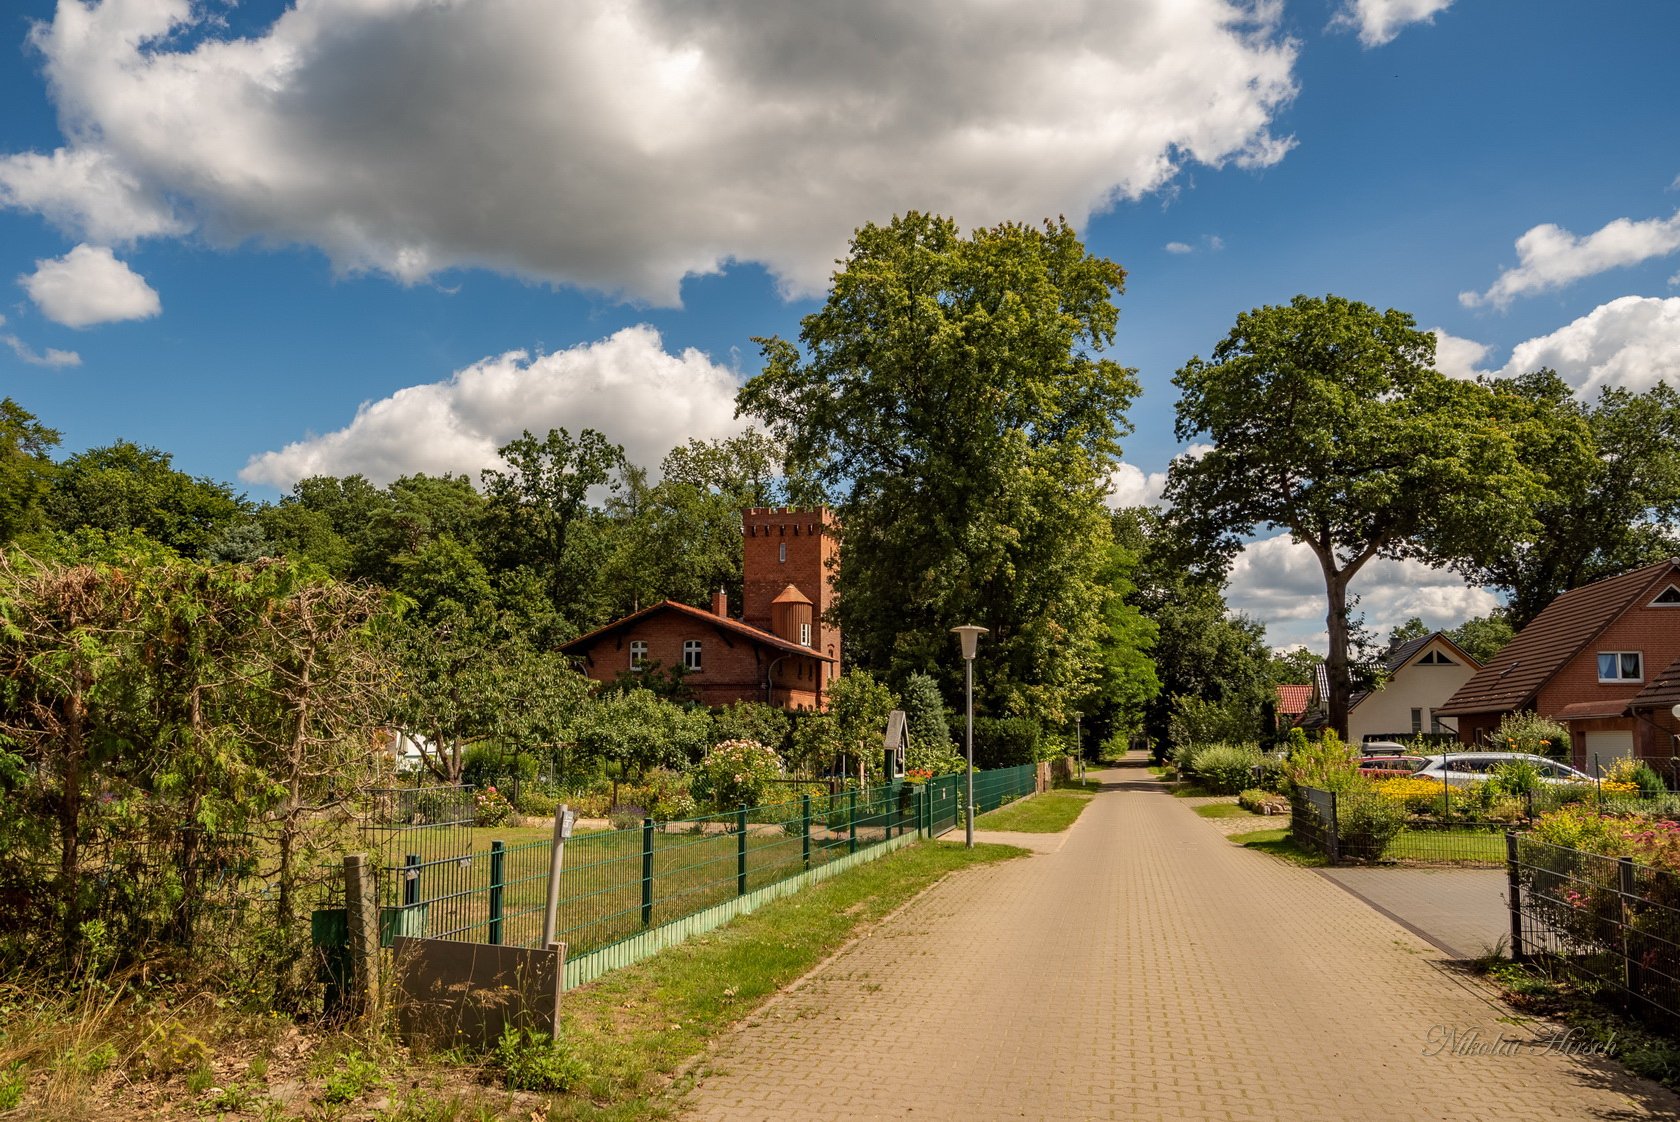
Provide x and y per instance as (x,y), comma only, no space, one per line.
(741,852)
(1631,980)
(647,872)
(805,827)
(411,880)
(496,882)
(1333,841)
(1513,893)
(851,813)
(361,905)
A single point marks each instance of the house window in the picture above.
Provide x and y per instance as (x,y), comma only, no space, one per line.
(1620,666)
(783,554)
(1670,598)
(1436,658)
(691,654)
(638,653)
(1435,725)
(1417,720)
(804,634)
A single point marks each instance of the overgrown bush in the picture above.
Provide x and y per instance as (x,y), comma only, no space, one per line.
(1271,776)
(752,720)
(1225,769)
(1327,763)
(1530,732)
(1366,822)
(1516,777)
(1005,741)
(491,808)
(737,773)
(626,816)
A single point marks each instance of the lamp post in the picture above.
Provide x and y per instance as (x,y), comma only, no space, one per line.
(969,636)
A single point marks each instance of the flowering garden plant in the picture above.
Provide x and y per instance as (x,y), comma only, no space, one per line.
(738,773)
(491,808)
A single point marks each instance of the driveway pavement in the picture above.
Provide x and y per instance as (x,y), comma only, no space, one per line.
(1148,969)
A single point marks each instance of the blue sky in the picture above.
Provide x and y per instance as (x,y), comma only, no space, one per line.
(224,230)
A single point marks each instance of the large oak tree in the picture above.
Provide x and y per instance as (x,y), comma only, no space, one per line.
(1328,419)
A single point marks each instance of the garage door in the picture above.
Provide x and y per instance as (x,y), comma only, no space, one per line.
(1608,746)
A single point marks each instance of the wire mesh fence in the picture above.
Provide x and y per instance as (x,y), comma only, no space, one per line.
(616,883)
(1607,921)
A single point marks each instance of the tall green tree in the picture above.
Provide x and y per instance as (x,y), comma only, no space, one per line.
(26,470)
(542,517)
(952,397)
(1612,501)
(1328,420)
(126,487)
(1202,655)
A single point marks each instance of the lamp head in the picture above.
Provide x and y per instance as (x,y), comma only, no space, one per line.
(969,635)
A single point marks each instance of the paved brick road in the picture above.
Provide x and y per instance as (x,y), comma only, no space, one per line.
(1146,969)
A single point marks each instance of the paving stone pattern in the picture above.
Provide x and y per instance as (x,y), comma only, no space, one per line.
(1148,969)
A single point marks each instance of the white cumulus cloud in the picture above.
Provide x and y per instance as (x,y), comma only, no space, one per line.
(622,145)
(1379,21)
(626,386)
(1278,582)
(1456,357)
(1632,342)
(1551,257)
(1130,485)
(89,285)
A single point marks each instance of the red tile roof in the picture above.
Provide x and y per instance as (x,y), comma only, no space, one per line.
(1292,700)
(1514,676)
(732,625)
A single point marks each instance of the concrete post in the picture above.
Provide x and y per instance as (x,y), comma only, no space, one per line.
(361,907)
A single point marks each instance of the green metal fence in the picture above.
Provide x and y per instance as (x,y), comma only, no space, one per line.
(618,883)
(619,888)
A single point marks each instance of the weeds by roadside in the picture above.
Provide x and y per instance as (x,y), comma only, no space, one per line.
(122,1048)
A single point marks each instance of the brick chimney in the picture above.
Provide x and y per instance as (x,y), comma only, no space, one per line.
(720,603)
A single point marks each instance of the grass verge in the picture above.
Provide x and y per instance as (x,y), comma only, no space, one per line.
(1479,847)
(636,1028)
(1224,810)
(1049,813)
(180,1054)
(1279,844)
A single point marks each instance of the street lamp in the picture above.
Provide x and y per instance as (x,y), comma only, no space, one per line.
(969,635)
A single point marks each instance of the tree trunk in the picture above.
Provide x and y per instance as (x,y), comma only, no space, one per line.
(1336,662)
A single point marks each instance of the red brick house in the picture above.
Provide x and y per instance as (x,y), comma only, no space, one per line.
(1599,658)
(784,650)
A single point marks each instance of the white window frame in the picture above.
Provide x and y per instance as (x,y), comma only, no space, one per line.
(1657,601)
(1620,666)
(804,634)
(638,653)
(693,655)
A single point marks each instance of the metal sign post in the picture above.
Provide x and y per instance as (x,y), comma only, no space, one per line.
(563,823)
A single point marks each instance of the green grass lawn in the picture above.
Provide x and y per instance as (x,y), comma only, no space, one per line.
(1050,813)
(1278,843)
(693,867)
(1224,810)
(1468,846)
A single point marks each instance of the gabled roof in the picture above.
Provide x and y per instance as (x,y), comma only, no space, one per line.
(1292,700)
(1662,693)
(723,623)
(1561,631)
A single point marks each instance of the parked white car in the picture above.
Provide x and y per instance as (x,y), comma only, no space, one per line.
(1475,767)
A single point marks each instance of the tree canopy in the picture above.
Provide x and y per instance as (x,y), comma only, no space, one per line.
(1328,420)
(951,395)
